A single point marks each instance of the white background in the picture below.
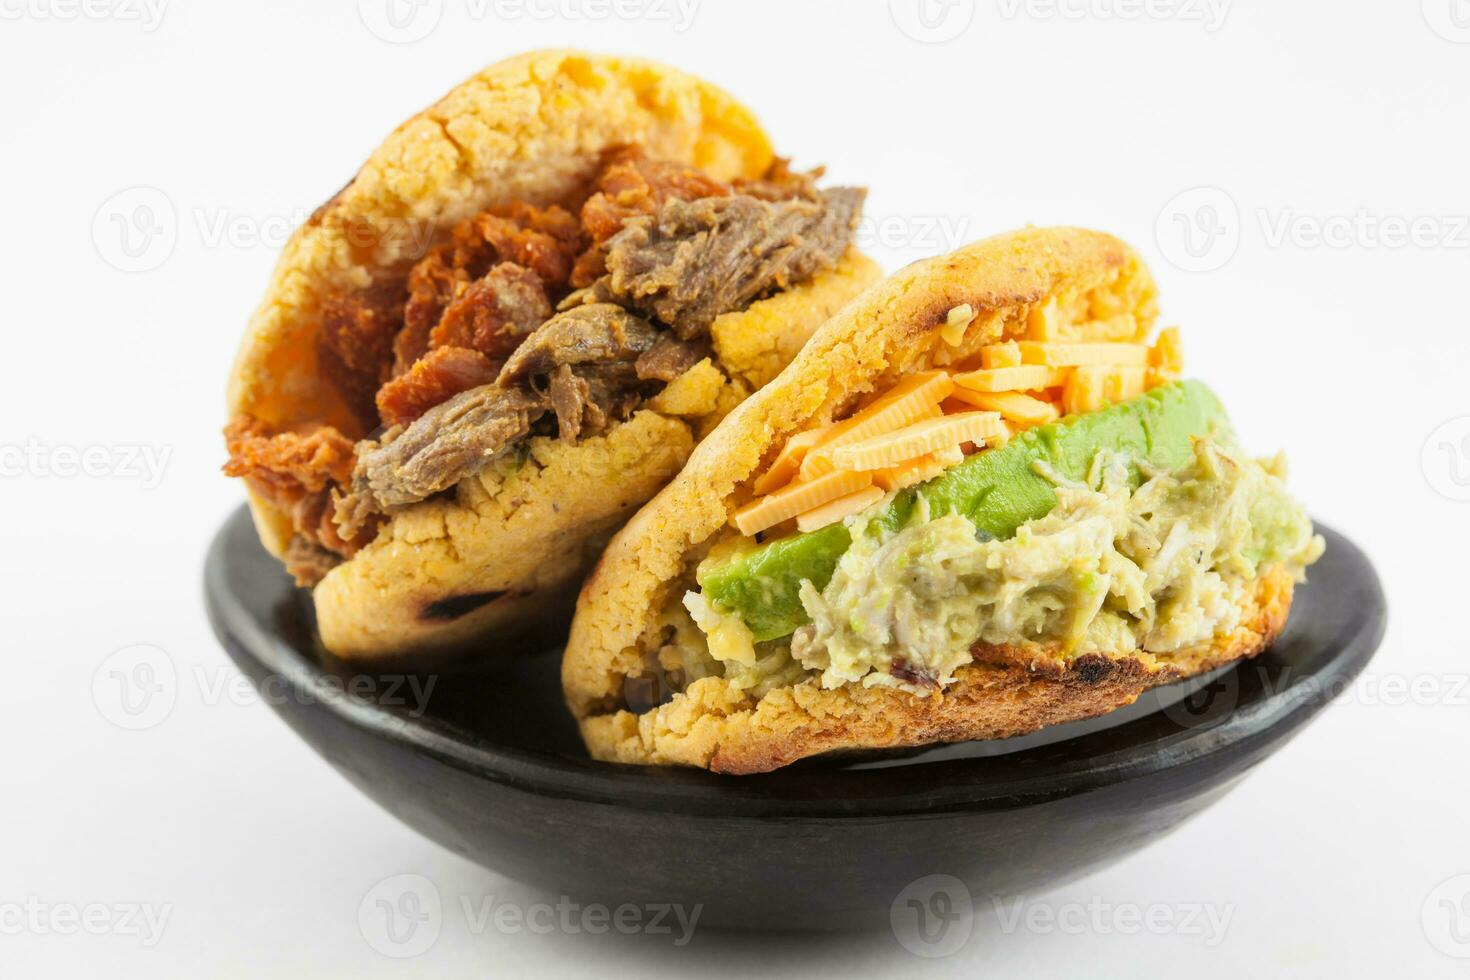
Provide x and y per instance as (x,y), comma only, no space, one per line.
(1351,116)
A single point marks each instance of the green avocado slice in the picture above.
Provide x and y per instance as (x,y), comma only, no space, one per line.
(998,490)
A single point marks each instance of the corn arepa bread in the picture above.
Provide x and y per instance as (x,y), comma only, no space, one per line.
(510,154)
(1073,287)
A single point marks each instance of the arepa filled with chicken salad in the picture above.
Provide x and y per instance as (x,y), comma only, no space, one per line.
(982,500)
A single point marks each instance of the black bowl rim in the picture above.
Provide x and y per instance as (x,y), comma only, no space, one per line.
(856,793)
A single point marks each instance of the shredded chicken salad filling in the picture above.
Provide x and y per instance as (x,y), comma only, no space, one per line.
(1156,569)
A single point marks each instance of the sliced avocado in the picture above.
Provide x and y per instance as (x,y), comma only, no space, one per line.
(998,490)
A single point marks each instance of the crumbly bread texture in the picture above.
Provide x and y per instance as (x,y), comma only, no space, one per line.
(527,129)
(1089,286)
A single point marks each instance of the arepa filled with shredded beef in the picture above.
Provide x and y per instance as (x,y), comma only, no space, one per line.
(509,331)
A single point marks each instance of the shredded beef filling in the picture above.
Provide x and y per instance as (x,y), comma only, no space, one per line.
(463,357)
(447,443)
(698,259)
(579,364)
(668,358)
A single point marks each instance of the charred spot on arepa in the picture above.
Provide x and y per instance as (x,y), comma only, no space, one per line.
(1092,668)
(453,607)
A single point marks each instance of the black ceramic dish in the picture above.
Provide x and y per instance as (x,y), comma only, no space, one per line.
(494,769)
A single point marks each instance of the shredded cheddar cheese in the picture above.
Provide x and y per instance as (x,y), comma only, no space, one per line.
(838,509)
(797,498)
(914,398)
(1026,377)
(923,437)
(930,420)
(1042,323)
(1075,355)
(1014,406)
(788,461)
(1001,355)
